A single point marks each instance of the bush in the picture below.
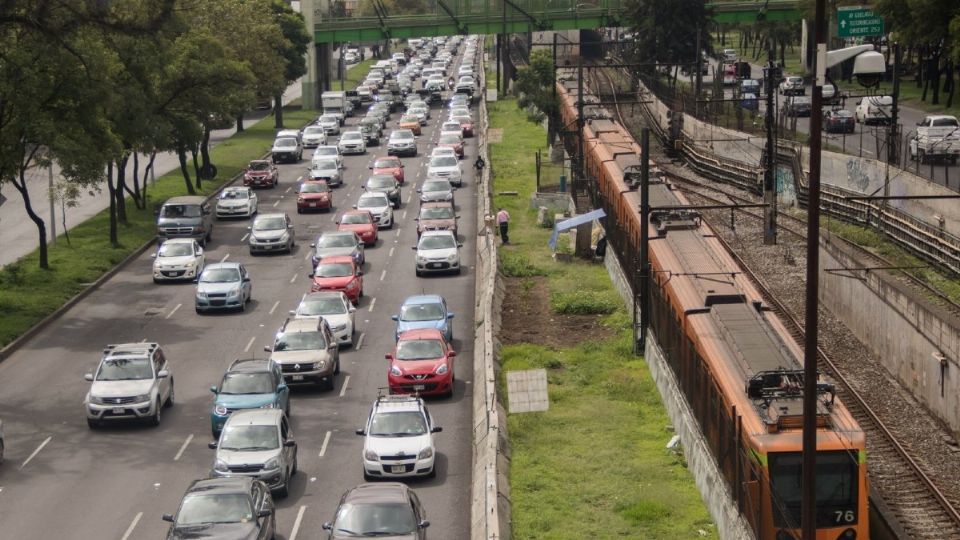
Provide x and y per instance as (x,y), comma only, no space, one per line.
(516,265)
(583,303)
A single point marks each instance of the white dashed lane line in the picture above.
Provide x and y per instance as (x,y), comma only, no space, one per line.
(296,523)
(225,257)
(326,441)
(391,252)
(133,525)
(35,452)
(244,237)
(275,304)
(373,302)
(183,447)
(294,278)
(249,343)
(383,274)
(343,389)
(359,344)
(172,311)
(276,203)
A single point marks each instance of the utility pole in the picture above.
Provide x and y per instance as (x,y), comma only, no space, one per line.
(893,134)
(53,215)
(771,76)
(582,168)
(698,78)
(506,51)
(641,345)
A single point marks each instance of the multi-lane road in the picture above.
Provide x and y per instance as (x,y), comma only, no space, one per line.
(63,480)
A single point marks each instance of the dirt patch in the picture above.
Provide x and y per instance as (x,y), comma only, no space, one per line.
(526,317)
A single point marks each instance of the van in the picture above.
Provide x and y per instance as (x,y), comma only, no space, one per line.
(185,217)
(295,133)
(874,110)
(750,86)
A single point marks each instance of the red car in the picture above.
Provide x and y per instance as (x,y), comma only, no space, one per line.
(360,222)
(421,363)
(314,195)
(452,141)
(466,123)
(338,273)
(389,165)
(261,173)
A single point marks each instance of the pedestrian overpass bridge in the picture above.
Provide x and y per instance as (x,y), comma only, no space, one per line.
(337,21)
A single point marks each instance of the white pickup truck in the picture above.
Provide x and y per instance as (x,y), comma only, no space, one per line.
(936,137)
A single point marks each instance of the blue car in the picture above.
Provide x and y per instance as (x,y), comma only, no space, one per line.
(254,383)
(425,311)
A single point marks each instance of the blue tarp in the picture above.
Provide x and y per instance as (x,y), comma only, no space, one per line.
(573,222)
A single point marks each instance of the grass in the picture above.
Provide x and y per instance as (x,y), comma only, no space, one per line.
(28,294)
(354,75)
(596,460)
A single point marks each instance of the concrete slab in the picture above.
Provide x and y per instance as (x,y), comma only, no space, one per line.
(527,391)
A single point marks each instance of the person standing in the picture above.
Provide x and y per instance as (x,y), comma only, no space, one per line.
(503,220)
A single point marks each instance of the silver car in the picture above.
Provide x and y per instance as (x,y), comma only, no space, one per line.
(257,443)
(328,152)
(306,351)
(446,167)
(329,124)
(132,382)
(176,259)
(325,169)
(335,307)
(271,232)
(402,142)
(352,142)
(438,251)
(379,205)
(313,136)
(436,190)
(224,285)
(334,243)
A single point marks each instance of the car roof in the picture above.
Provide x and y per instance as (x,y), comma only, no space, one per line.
(250,364)
(423,299)
(379,492)
(179,241)
(300,325)
(336,259)
(229,484)
(228,264)
(421,333)
(186,199)
(256,417)
(399,402)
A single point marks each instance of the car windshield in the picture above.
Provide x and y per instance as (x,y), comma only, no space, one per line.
(247,383)
(249,438)
(386,164)
(272,223)
(443,161)
(356,219)
(314,187)
(419,349)
(408,118)
(259,165)
(326,270)
(299,341)
(421,312)
(460,111)
(202,508)
(235,194)
(450,126)
(398,424)
(436,213)
(125,369)
(450,139)
(336,240)
(325,151)
(285,143)
(402,136)
(381,182)
(329,119)
(382,519)
(310,130)
(220,275)
(180,211)
(352,135)
(322,306)
(372,202)
(175,250)
(324,164)
(440,185)
(440,241)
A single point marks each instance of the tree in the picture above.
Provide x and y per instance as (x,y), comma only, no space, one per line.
(535,82)
(667,30)
(293,50)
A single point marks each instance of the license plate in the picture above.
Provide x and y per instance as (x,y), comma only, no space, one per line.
(267,247)
(435,265)
(118,410)
(418,387)
(313,205)
(398,469)
(298,377)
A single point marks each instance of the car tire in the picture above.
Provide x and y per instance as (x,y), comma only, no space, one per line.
(198,310)
(330,384)
(418,273)
(367,477)
(170,398)
(155,419)
(295,469)
(156,281)
(1,451)
(458,270)
(336,367)
(284,490)
(92,424)
(433,471)
(243,306)
(299,210)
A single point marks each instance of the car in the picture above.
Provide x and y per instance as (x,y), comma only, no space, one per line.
(236,201)
(451,128)
(351,57)
(422,114)
(792,85)
(439,151)
(466,122)
(750,86)
(257,443)
(421,363)
(330,125)
(186,216)
(372,130)
(133,381)
(325,169)
(411,122)
(446,167)
(379,205)
(361,222)
(335,308)
(389,165)
(798,106)
(351,142)
(436,190)
(223,285)
(365,92)
(339,273)
(465,70)
(314,195)
(224,508)
(402,142)
(466,85)
(398,439)
(874,110)
(271,232)
(749,102)
(328,152)
(286,149)
(178,259)
(436,216)
(424,311)
(375,510)
(313,136)
(384,183)
(249,383)
(729,56)
(453,142)
(437,251)
(338,243)
(458,101)
(261,173)
(839,121)
(307,352)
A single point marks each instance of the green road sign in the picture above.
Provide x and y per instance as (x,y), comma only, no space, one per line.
(858,21)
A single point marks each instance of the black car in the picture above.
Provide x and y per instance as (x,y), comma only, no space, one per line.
(240,508)
(839,121)
(384,509)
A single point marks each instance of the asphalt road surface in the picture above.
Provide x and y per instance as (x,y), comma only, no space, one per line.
(63,480)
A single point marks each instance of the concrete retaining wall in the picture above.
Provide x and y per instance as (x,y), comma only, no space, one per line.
(902,329)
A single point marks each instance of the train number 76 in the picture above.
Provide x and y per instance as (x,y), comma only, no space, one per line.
(844,516)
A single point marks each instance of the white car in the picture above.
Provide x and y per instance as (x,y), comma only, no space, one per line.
(438,251)
(330,125)
(422,114)
(451,127)
(400,426)
(335,308)
(378,204)
(178,258)
(132,382)
(465,70)
(436,190)
(441,151)
(328,152)
(313,136)
(447,168)
(237,202)
(352,142)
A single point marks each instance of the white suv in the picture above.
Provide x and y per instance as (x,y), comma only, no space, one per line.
(398,439)
(132,382)
(438,251)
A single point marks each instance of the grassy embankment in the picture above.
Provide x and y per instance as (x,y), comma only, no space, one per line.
(596,461)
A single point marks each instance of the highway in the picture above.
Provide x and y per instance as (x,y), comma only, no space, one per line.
(63,480)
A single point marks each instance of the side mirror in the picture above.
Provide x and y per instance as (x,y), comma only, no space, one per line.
(163,374)
(281,387)
(436,429)
(292,313)
(168,517)
(199,251)
(459,244)
(249,228)
(361,432)
(289,443)
(264,512)
(395,317)
(413,248)
(424,524)
(354,207)
(452,354)
(213,388)
(327,526)
(266,348)
(153,255)
(212,445)
(449,315)
(388,356)
(88,377)
(246,280)
(359,272)
(313,245)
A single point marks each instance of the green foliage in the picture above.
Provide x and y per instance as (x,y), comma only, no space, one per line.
(535,85)
(515,264)
(296,40)
(581,302)
(666,30)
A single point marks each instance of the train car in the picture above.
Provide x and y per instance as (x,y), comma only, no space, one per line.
(734,360)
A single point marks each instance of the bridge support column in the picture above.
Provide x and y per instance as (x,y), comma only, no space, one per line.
(310,88)
(326,69)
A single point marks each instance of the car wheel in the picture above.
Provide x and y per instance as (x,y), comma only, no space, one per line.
(329,385)
(366,476)
(155,280)
(155,419)
(294,470)
(458,271)
(198,310)
(284,490)
(92,424)
(1,451)
(433,471)
(299,210)
(171,396)
(336,368)
(418,273)
(243,306)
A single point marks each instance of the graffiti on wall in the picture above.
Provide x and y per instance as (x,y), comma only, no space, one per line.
(786,185)
(857,177)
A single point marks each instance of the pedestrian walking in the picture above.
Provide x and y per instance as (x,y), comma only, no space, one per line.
(503,220)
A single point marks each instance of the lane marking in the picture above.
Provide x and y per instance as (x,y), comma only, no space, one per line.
(403,215)
(346,381)
(383,274)
(174,310)
(249,343)
(37,451)
(307,256)
(276,203)
(323,447)
(294,278)
(373,302)
(289,189)
(183,447)
(275,304)
(133,525)
(391,252)
(225,257)
(398,230)
(296,523)
(360,342)
(333,218)
(244,238)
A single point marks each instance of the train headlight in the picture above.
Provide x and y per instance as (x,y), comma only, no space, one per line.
(848,534)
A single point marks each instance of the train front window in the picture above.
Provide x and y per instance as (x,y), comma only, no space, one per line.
(836,489)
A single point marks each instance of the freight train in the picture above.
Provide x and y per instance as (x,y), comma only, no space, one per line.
(739,369)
